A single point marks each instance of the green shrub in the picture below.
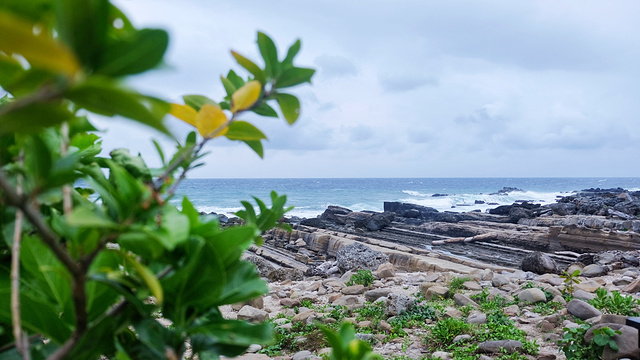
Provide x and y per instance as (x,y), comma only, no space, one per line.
(362,277)
(615,303)
(98,265)
(575,347)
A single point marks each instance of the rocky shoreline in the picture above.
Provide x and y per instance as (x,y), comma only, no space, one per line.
(417,252)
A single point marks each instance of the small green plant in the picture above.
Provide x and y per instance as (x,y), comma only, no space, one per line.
(457,284)
(306,303)
(547,308)
(345,345)
(615,303)
(417,315)
(446,330)
(575,347)
(373,312)
(362,277)
(528,285)
(569,281)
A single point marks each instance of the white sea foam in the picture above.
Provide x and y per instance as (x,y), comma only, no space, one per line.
(414,193)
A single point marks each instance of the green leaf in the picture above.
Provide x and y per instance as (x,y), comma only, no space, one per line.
(294,76)
(141,243)
(142,51)
(105,97)
(269,53)
(257,73)
(290,107)
(33,118)
(10,70)
(86,217)
(100,296)
(177,226)
(133,164)
(236,80)
(196,101)
(233,332)
(159,150)
(148,277)
(242,130)
(243,284)
(228,86)
(38,159)
(256,146)
(291,53)
(83,24)
(265,110)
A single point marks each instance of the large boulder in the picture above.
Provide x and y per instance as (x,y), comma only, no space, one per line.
(379,221)
(359,256)
(539,263)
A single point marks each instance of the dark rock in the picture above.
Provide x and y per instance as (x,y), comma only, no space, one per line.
(539,263)
(501,210)
(357,219)
(506,190)
(439,195)
(563,209)
(359,256)
(335,214)
(314,222)
(283,274)
(479,202)
(404,209)
(263,266)
(516,213)
(582,310)
(379,221)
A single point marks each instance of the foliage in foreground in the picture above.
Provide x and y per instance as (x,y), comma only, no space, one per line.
(92,252)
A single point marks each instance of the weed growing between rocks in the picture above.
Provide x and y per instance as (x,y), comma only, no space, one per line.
(457,284)
(615,303)
(575,347)
(362,277)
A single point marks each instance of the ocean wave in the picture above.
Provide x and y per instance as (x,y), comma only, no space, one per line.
(414,193)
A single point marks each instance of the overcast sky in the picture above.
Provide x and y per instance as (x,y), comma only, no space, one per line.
(415,88)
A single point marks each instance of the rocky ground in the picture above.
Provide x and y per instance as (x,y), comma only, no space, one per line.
(449,285)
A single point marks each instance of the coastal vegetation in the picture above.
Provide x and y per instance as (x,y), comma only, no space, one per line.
(94,261)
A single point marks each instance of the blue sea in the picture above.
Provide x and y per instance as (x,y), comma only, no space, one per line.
(310,197)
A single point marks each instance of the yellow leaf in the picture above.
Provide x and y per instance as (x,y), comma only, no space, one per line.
(185,113)
(41,51)
(246,96)
(211,121)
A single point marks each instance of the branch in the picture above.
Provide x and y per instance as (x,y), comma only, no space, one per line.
(46,234)
(22,342)
(45,94)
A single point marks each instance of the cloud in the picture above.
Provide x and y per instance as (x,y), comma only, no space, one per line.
(335,66)
(360,133)
(405,83)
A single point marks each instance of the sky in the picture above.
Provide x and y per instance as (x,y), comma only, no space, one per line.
(412,88)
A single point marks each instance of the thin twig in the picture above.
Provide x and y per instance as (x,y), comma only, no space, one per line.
(66,188)
(22,342)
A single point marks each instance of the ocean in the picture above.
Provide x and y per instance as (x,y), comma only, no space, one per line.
(310,197)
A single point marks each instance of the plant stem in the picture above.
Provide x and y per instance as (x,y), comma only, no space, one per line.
(66,188)
(45,94)
(22,342)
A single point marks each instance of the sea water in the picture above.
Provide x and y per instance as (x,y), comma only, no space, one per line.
(310,197)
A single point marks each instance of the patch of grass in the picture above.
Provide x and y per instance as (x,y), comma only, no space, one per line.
(373,312)
(457,284)
(445,331)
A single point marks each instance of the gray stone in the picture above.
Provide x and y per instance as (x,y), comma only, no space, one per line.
(627,342)
(263,265)
(462,300)
(461,338)
(375,294)
(532,295)
(633,287)
(477,318)
(399,303)
(353,290)
(499,280)
(539,263)
(582,310)
(441,355)
(359,256)
(347,300)
(497,346)
(283,274)
(252,314)
(581,294)
(303,355)
(593,270)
